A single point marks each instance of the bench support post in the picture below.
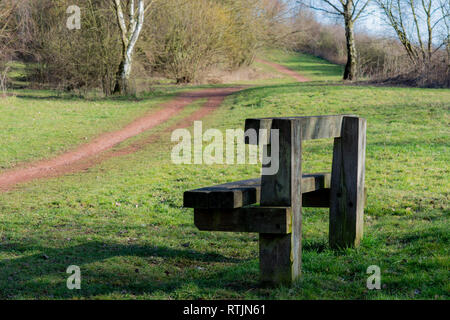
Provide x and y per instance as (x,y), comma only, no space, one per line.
(280,255)
(347,184)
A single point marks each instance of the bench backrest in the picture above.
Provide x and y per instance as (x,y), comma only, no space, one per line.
(311,127)
(347,178)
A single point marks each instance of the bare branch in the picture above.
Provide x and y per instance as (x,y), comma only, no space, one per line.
(323,10)
(121,22)
(138,26)
(360,11)
(334,7)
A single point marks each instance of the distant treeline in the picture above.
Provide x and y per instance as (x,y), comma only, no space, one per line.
(380,58)
(183,40)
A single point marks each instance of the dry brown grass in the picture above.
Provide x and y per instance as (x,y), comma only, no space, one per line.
(216,75)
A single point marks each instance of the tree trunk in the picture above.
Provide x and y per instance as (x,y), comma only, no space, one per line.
(122,85)
(130,36)
(350,67)
(447,47)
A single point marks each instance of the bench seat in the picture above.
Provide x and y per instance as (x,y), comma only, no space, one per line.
(239,194)
(273,206)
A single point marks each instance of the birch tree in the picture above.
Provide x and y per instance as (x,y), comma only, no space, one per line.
(350,11)
(130,30)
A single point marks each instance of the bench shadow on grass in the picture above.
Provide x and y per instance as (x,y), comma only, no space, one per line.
(43,275)
(34,276)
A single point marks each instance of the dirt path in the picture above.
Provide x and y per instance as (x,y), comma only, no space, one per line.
(90,154)
(284,70)
(98,150)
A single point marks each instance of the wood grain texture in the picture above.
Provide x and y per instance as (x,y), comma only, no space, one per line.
(243,193)
(347,196)
(321,198)
(313,127)
(276,220)
(229,195)
(280,255)
(283,194)
(276,260)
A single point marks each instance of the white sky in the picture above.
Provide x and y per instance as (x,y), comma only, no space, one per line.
(374,24)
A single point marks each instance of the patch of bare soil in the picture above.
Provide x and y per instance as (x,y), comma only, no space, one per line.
(93,152)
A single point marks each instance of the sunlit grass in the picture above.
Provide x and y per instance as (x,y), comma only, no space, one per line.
(311,67)
(123,223)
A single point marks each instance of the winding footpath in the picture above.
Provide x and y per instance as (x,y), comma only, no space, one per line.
(98,150)
(284,70)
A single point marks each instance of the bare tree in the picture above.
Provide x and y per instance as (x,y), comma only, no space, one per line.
(445,11)
(6,10)
(415,22)
(130,30)
(6,31)
(350,11)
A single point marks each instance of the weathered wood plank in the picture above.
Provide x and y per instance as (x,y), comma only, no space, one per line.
(280,255)
(314,127)
(315,181)
(229,195)
(347,184)
(243,193)
(272,220)
(316,199)
(321,198)
(276,189)
(276,260)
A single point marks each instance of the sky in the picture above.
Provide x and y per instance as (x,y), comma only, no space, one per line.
(372,23)
(375,24)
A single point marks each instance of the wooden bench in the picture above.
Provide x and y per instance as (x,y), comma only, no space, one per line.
(281,196)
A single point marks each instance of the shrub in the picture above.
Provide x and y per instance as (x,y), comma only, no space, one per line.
(75,59)
(189,38)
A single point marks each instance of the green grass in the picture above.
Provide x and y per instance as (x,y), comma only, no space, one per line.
(314,68)
(17,74)
(123,224)
(38,124)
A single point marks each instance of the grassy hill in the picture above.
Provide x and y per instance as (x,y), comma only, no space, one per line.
(123,224)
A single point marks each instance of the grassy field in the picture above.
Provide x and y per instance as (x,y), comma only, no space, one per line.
(311,67)
(123,224)
(37,124)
